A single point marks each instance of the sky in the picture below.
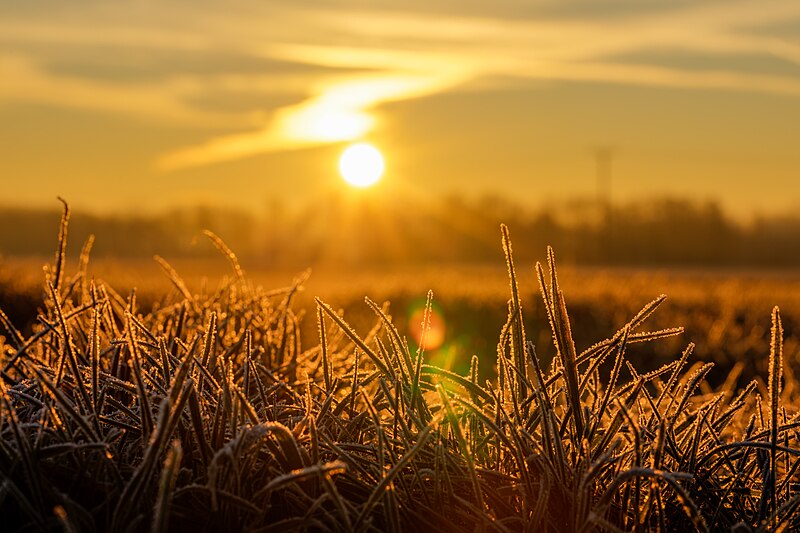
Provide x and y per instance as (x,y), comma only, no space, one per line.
(141,106)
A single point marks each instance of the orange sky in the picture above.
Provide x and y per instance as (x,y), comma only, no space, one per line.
(142,105)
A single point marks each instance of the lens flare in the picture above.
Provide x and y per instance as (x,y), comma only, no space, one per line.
(435,336)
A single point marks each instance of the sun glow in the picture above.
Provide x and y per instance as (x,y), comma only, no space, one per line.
(361,165)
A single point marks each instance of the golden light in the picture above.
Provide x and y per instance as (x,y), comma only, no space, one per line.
(361,165)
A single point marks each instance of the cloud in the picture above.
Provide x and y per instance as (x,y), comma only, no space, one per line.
(340,111)
(389,55)
(25,82)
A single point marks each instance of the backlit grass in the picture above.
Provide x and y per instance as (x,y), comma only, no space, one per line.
(208,412)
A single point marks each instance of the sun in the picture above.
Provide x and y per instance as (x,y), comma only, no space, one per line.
(361,165)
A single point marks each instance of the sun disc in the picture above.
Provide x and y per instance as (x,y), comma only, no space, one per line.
(361,165)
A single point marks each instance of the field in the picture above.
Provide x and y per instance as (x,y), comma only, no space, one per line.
(725,312)
(542,401)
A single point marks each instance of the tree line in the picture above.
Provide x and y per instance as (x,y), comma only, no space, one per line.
(661,231)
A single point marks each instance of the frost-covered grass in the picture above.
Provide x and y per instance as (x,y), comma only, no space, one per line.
(209,413)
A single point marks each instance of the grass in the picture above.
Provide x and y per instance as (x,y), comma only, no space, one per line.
(209,413)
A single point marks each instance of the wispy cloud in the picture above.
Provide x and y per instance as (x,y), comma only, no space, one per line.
(339,108)
(339,112)
(389,56)
(162,102)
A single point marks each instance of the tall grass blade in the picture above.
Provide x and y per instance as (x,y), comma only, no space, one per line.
(517,326)
(775,375)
